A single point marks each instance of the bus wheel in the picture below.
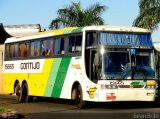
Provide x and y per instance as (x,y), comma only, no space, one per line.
(79,98)
(24,97)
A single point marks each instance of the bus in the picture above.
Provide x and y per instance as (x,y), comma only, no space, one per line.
(92,63)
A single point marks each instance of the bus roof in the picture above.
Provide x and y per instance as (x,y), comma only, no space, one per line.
(71,30)
(117,28)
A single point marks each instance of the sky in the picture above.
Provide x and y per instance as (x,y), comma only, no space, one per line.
(17,12)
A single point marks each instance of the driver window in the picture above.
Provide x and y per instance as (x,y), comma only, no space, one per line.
(90,39)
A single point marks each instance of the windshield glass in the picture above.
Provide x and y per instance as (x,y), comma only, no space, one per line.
(114,64)
(144,68)
(123,65)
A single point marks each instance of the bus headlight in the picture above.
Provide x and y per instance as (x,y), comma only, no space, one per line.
(150,86)
(103,86)
(111,86)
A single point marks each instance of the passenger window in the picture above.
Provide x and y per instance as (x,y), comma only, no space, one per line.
(57,46)
(7,52)
(13,51)
(47,47)
(63,46)
(71,44)
(16,50)
(24,50)
(75,44)
(35,48)
(78,44)
(11,48)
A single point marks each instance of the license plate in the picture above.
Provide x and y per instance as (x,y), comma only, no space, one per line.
(111,97)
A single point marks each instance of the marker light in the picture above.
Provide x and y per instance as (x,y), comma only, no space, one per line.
(150,86)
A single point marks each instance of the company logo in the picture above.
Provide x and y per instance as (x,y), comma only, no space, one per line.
(91,92)
(76,66)
(30,65)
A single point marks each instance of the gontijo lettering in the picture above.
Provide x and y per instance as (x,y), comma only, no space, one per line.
(30,65)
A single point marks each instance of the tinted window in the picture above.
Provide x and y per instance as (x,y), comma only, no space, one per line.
(35,48)
(57,46)
(47,47)
(24,50)
(13,51)
(78,44)
(7,54)
(71,44)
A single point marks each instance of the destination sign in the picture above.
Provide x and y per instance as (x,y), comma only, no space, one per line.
(125,39)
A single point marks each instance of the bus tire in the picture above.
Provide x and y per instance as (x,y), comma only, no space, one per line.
(79,98)
(24,97)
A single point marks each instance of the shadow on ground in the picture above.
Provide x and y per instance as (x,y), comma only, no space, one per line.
(108,105)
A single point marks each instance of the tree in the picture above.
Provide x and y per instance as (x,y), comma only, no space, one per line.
(149,16)
(74,15)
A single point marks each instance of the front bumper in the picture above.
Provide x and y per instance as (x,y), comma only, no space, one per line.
(126,95)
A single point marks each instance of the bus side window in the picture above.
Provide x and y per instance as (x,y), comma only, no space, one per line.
(50,45)
(35,48)
(13,51)
(47,47)
(11,48)
(91,39)
(71,44)
(44,48)
(24,50)
(78,43)
(57,46)
(7,51)
(16,50)
(62,46)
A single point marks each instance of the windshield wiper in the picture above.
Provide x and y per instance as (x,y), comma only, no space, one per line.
(126,71)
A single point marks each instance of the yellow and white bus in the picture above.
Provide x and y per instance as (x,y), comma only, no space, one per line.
(92,63)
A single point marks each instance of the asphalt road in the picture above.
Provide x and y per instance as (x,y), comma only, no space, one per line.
(63,109)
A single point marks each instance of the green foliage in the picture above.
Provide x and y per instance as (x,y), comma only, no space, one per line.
(149,16)
(3,109)
(74,15)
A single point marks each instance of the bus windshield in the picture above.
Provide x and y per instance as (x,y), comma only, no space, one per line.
(121,65)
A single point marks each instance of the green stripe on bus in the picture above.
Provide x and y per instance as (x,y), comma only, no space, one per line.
(52,76)
(138,83)
(67,31)
(78,30)
(61,75)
